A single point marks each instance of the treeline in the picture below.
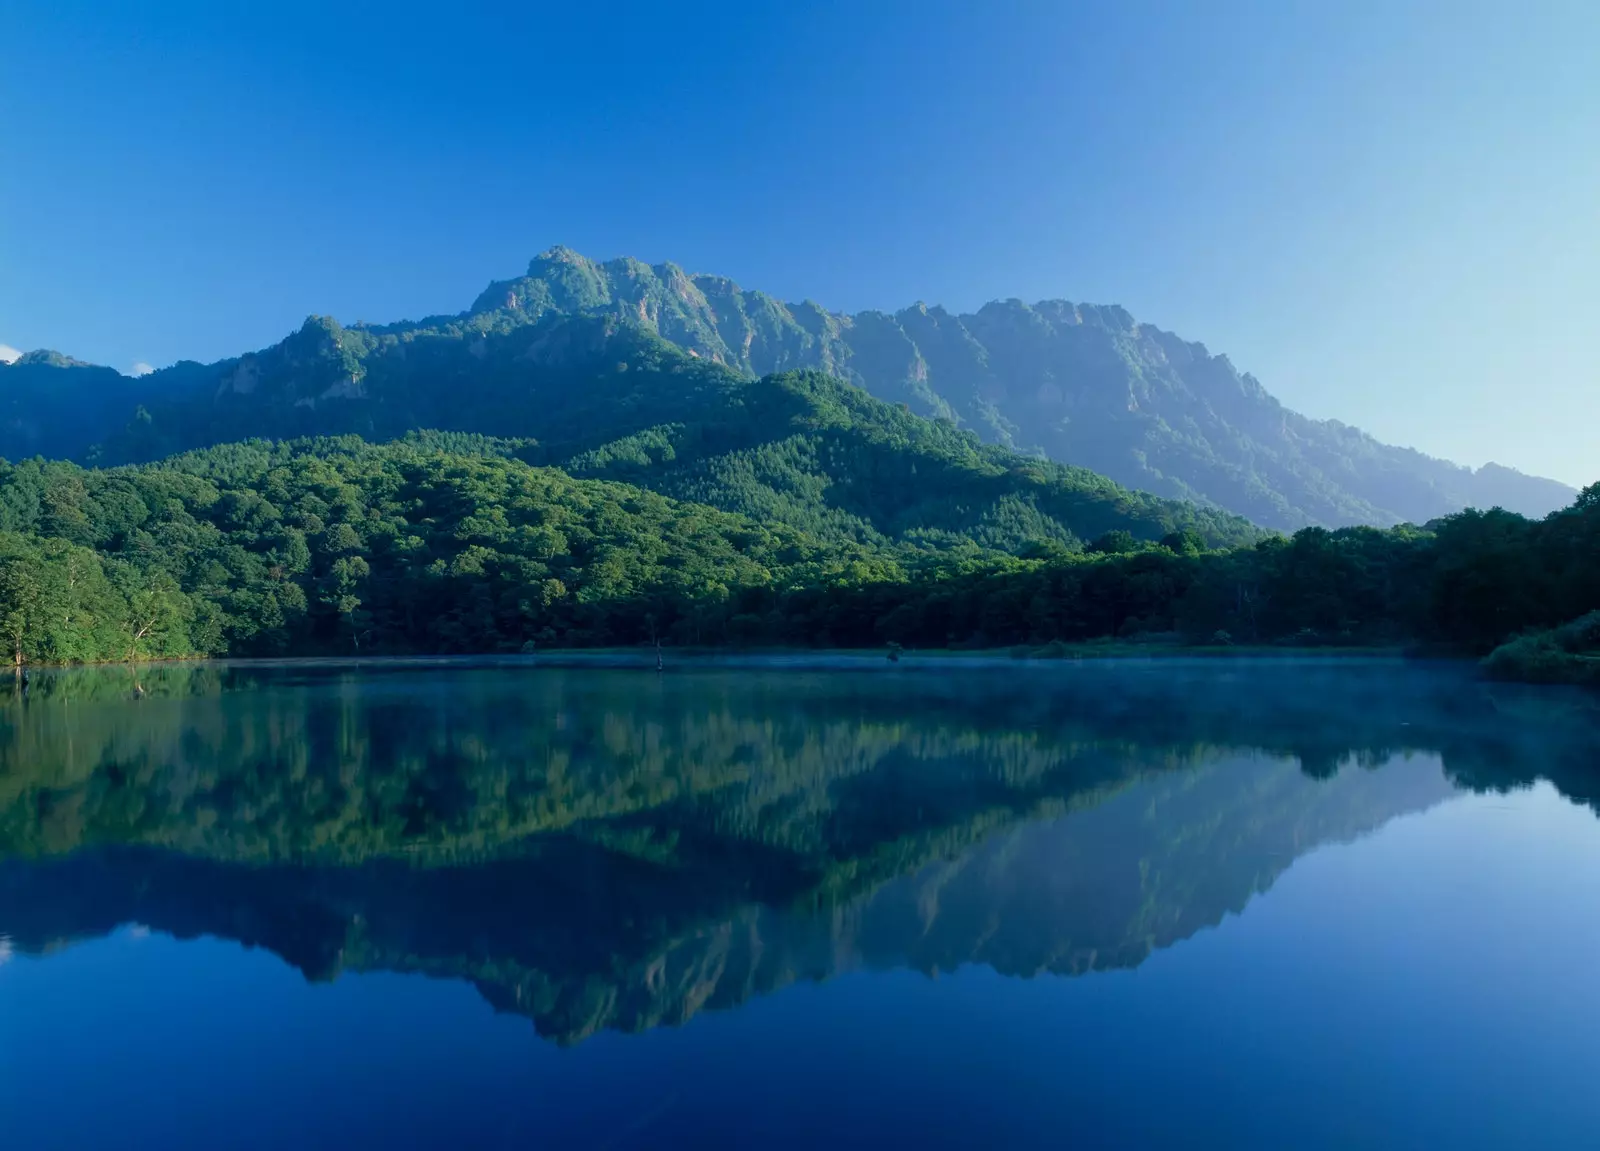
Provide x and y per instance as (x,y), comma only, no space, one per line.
(1462,585)
(337,546)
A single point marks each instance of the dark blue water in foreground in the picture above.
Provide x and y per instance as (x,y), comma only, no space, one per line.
(1107,905)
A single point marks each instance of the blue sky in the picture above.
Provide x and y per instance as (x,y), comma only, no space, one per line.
(1389,212)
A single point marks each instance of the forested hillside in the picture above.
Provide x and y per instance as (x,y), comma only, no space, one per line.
(340,546)
(591,474)
(606,397)
(577,353)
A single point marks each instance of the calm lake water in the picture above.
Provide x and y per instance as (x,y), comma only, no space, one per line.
(1230,905)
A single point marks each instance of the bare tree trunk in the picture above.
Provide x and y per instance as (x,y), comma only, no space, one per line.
(133,648)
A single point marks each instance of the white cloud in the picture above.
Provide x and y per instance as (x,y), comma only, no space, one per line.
(8,354)
(140,369)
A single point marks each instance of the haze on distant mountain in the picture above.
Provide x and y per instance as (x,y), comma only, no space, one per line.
(1081,384)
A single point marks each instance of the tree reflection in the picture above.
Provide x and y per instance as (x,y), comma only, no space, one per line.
(613,849)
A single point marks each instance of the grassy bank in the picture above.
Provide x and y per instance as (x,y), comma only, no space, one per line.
(1566,654)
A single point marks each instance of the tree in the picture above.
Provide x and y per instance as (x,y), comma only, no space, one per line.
(1185,542)
(19,600)
(1115,543)
(348,576)
(155,613)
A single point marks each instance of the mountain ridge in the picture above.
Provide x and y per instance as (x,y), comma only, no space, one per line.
(902,357)
(1082,384)
(607,398)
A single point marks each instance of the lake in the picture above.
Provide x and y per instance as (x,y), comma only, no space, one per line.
(1217,904)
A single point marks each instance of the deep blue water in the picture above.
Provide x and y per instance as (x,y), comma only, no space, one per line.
(1091,906)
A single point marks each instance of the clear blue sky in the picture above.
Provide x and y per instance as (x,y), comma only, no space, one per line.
(1389,212)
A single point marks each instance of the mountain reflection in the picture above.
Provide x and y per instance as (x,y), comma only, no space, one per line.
(612,849)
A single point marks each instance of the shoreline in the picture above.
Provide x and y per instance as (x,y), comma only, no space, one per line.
(800,658)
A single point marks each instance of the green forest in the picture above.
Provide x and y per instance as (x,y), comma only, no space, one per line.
(449,543)
(588,482)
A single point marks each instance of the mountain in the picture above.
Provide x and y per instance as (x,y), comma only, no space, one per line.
(1080,383)
(543,356)
(53,405)
(605,397)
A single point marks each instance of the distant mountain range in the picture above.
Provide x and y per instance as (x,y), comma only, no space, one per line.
(1080,384)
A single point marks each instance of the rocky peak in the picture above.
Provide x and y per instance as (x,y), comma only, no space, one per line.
(560,254)
(48,358)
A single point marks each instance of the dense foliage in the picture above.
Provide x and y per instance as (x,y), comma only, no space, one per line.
(343,546)
(610,398)
(1569,653)
(337,545)
(1463,585)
